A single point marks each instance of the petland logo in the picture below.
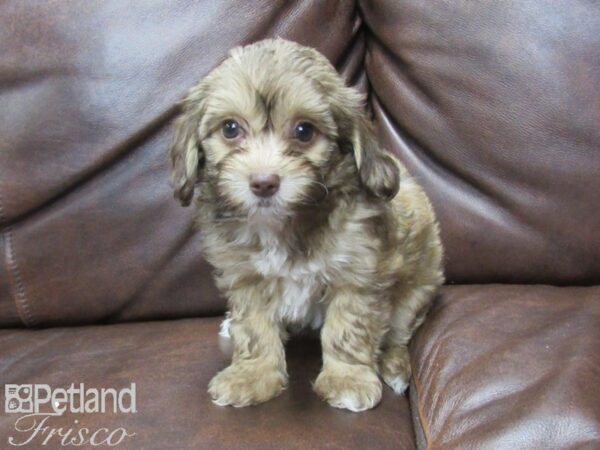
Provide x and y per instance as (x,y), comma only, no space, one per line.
(40,403)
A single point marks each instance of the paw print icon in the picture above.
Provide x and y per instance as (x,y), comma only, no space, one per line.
(18,398)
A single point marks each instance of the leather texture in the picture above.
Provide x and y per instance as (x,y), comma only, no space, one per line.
(495,108)
(171,363)
(505,367)
(88,93)
(495,115)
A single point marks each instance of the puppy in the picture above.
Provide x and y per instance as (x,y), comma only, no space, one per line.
(307,222)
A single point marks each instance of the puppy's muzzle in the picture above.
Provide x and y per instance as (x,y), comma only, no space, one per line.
(264,184)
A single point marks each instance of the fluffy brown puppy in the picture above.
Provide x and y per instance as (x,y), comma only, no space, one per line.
(307,222)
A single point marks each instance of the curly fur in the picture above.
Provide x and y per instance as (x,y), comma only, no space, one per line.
(349,243)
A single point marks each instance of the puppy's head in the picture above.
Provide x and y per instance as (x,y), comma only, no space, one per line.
(266,128)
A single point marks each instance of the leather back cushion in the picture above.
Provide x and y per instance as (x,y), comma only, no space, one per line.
(495,109)
(90,229)
(495,106)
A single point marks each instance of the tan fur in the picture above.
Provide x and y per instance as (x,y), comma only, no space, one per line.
(349,242)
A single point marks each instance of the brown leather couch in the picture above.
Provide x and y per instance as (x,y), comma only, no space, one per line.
(493,105)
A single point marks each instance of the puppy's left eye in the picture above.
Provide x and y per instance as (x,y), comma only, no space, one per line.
(231,129)
(304,131)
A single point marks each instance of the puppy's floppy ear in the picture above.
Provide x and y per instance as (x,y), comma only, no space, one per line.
(378,170)
(185,151)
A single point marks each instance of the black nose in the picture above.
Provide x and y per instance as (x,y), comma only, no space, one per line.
(264,184)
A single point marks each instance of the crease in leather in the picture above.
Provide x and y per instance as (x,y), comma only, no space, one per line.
(430,159)
(423,425)
(129,145)
(123,149)
(401,134)
(15,80)
(502,213)
(467,182)
(30,349)
(426,94)
(346,55)
(270,28)
(420,440)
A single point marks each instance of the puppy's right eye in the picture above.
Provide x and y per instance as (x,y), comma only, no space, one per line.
(231,129)
(304,132)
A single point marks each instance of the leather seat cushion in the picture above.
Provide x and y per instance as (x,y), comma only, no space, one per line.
(171,363)
(509,367)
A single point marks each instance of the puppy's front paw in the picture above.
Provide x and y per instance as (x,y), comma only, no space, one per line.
(245,384)
(395,368)
(352,387)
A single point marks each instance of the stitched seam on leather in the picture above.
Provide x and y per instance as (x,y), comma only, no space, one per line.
(19,294)
(424,424)
(14,274)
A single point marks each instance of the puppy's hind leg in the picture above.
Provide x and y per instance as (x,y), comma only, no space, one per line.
(408,314)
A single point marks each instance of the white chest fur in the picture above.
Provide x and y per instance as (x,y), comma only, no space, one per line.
(301,283)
